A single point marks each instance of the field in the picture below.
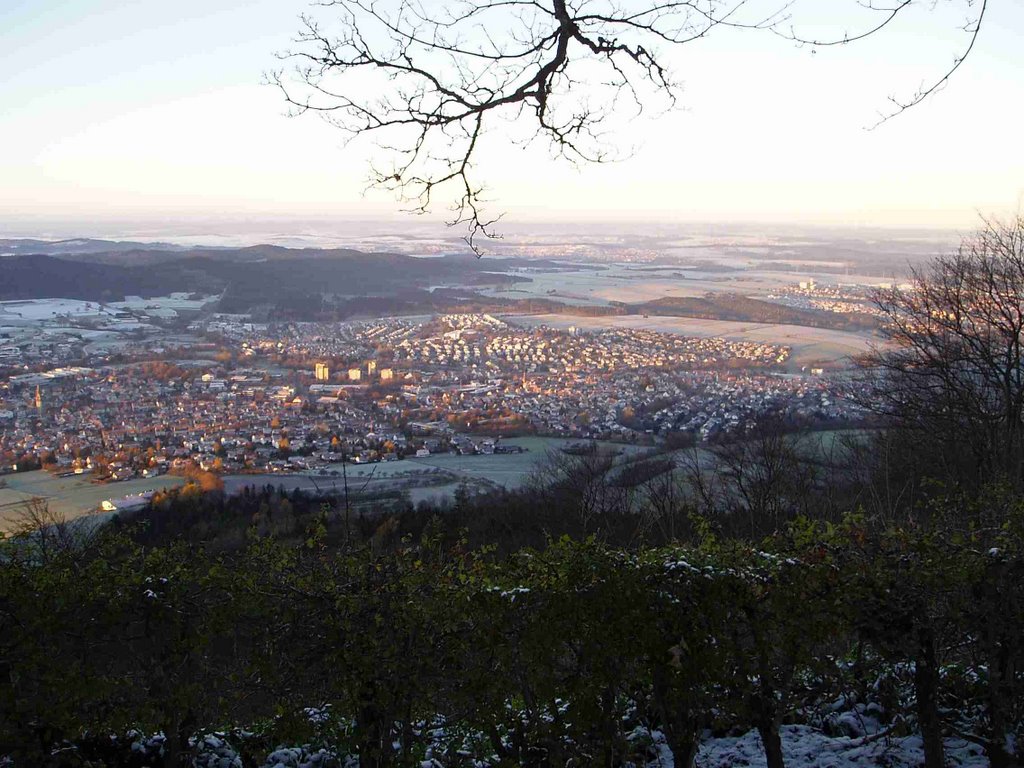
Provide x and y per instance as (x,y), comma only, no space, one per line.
(430,477)
(633,285)
(71,497)
(37,310)
(163,306)
(637,284)
(809,345)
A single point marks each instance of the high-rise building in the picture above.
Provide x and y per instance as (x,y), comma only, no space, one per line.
(354,374)
(386,374)
(323,373)
(371,367)
(39,399)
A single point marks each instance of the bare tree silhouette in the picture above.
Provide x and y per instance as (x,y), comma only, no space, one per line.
(953,378)
(427,79)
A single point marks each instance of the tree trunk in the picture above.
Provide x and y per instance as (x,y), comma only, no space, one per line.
(374,728)
(610,731)
(926,688)
(681,729)
(1001,675)
(772,742)
(998,756)
(684,743)
(407,733)
(175,749)
(994,748)
(497,744)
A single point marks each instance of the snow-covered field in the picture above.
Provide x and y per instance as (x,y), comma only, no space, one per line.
(163,306)
(37,310)
(23,311)
(431,477)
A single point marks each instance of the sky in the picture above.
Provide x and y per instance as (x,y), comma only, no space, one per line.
(154,111)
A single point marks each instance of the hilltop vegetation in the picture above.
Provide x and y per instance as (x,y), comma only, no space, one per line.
(576,653)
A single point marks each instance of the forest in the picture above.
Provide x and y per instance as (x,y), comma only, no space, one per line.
(413,648)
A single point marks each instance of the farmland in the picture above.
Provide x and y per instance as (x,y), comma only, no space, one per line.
(430,477)
(70,497)
(632,284)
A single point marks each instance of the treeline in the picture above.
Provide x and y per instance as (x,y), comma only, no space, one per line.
(574,653)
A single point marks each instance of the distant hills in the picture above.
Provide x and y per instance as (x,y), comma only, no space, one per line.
(38,276)
(261,275)
(19,246)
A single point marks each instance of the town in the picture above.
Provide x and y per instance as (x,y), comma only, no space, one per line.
(247,397)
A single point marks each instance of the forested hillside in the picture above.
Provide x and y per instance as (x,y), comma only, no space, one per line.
(252,276)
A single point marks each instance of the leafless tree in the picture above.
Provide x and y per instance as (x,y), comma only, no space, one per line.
(664,505)
(875,466)
(45,532)
(753,484)
(953,379)
(429,79)
(579,484)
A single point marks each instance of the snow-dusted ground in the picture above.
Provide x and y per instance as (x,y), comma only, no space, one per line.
(805,747)
(37,310)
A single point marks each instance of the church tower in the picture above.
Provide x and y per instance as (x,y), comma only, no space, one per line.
(39,400)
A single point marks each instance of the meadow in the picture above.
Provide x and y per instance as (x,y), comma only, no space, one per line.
(70,497)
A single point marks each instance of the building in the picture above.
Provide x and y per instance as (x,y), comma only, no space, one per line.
(354,374)
(323,372)
(371,367)
(386,374)
(127,503)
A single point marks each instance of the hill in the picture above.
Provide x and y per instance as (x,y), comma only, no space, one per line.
(257,275)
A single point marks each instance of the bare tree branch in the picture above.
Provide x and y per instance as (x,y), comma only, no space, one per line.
(973,28)
(428,83)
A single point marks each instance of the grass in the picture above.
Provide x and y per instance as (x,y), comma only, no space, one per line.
(71,497)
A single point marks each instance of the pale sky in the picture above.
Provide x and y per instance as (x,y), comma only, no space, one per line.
(116,109)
